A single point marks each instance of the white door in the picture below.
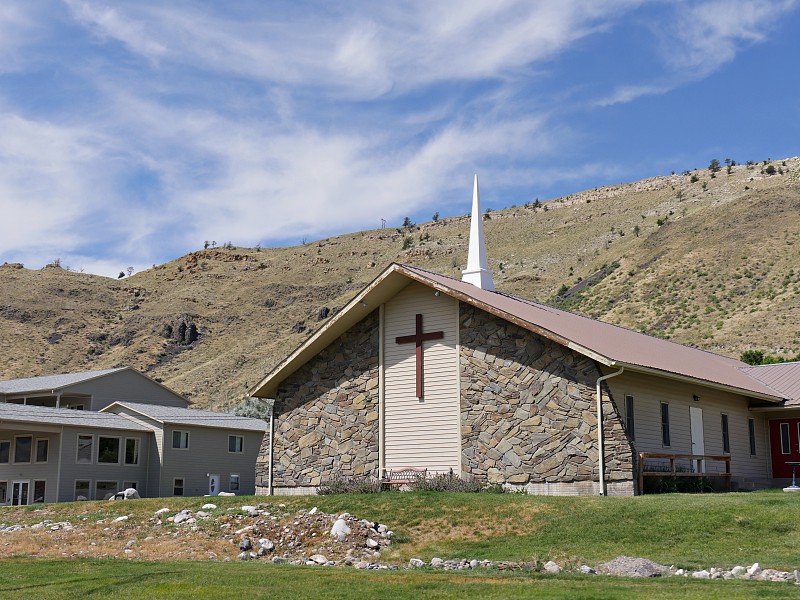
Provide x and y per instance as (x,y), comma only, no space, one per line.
(213,485)
(19,493)
(698,441)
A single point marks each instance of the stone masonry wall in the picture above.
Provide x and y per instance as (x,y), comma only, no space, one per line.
(326,414)
(528,411)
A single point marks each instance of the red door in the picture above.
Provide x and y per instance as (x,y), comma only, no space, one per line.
(784,441)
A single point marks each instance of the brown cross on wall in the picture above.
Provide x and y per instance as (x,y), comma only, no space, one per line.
(418,338)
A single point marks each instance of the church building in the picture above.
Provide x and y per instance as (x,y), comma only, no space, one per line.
(423,370)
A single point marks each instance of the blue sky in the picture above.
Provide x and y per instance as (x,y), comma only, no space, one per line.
(131,132)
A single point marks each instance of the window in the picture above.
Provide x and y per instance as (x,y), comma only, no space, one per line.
(234,484)
(38,491)
(76,407)
(180,439)
(22,449)
(85,445)
(177,486)
(3,491)
(665,424)
(629,428)
(726,440)
(785,447)
(130,484)
(751,430)
(235,443)
(107,450)
(5,451)
(42,446)
(131,451)
(82,487)
(103,490)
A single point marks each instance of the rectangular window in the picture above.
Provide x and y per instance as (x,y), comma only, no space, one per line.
(108,450)
(126,485)
(103,490)
(665,424)
(177,486)
(85,445)
(726,440)
(5,451)
(38,491)
(22,449)
(82,489)
(3,492)
(76,407)
(751,430)
(235,443)
(131,451)
(180,439)
(234,484)
(629,427)
(785,446)
(42,446)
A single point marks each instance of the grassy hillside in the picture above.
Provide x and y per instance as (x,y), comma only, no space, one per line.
(708,261)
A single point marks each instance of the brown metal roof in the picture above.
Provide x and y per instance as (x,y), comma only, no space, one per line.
(608,344)
(784,377)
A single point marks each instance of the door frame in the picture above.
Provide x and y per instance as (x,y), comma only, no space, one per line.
(16,494)
(696,431)
(213,481)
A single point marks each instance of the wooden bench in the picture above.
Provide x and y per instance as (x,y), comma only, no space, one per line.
(403,475)
(696,462)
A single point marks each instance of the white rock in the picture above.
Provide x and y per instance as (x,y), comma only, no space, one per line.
(318,559)
(120,519)
(416,563)
(266,544)
(161,511)
(473,564)
(738,571)
(551,567)
(587,570)
(754,569)
(680,572)
(313,511)
(437,562)
(340,530)
(370,543)
(226,494)
(701,574)
(362,564)
(243,530)
(247,508)
(209,506)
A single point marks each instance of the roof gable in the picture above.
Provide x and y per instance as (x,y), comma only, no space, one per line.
(48,383)
(608,344)
(170,415)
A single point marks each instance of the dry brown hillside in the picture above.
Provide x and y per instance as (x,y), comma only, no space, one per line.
(714,263)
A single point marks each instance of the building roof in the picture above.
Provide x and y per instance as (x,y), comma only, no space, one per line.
(43,415)
(48,383)
(610,345)
(784,377)
(190,417)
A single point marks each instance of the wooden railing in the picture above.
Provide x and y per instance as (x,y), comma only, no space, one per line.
(696,464)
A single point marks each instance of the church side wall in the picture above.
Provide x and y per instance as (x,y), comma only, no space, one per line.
(326,416)
(528,412)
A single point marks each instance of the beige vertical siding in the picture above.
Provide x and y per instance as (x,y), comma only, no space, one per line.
(422,433)
(650,391)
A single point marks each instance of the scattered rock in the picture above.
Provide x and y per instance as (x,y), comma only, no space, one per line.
(318,559)
(340,530)
(551,567)
(627,566)
(416,563)
(209,506)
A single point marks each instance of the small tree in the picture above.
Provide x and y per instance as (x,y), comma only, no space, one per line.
(752,357)
(408,223)
(714,166)
(636,230)
(129,270)
(436,216)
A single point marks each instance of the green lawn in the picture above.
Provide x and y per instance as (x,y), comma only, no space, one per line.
(691,531)
(44,579)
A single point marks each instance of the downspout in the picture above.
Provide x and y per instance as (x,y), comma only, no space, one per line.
(601,458)
(270,402)
(381,392)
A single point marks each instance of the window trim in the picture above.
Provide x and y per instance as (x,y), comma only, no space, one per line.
(175,486)
(240,439)
(125,485)
(630,417)
(125,452)
(726,433)
(88,488)
(4,499)
(30,458)
(36,453)
(78,450)
(108,437)
(751,434)
(666,441)
(180,432)
(785,449)
(238,482)
(8,462)
(33,491)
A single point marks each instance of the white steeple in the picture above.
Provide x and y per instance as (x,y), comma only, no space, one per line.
(477,272)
